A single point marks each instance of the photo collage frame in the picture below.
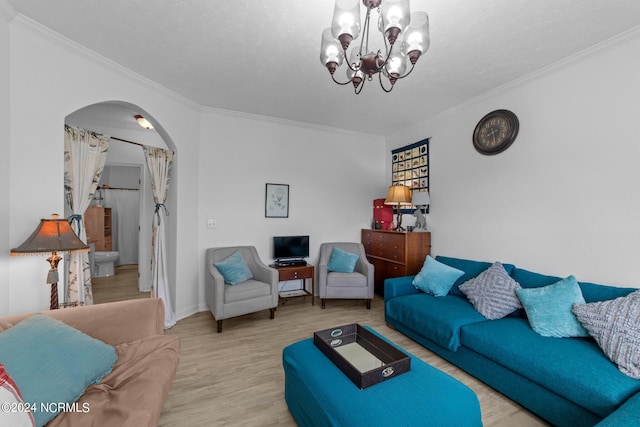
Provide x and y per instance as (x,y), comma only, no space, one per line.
(410,166)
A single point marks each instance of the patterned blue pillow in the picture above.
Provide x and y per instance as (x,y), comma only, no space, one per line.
(492,292)
(342,261)
(436,278)
(52,362)
(234,269)
(548,308)
(615,325)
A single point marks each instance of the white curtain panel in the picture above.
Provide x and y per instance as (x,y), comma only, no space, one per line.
(125,223)
(85,153)
(159,164)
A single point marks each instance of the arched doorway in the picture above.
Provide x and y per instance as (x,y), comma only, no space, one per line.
(117,120)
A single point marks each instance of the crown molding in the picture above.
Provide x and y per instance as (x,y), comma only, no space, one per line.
(287,122)
(68,44)
(7,11)
(558,65)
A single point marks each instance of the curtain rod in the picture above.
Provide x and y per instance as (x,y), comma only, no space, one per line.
(118,188)
(132,142)
(128,142)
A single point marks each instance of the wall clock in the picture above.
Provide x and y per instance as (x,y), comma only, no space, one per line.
(495,132)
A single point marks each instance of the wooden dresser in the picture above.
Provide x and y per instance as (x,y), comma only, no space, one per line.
(98,223)
(395,254)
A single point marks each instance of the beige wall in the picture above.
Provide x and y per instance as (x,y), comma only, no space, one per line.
(564,198)
(5,165)
(333,177)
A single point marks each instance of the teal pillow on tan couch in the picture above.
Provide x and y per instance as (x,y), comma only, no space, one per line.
(53,363)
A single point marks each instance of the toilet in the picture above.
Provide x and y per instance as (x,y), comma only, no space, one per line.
(105,263)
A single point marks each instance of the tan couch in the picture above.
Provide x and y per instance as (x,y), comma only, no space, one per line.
(135,390)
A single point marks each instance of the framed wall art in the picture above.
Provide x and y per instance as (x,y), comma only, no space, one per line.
(276,201)
(410,166)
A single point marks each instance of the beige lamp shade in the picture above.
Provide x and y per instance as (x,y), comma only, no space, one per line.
(51,235)
(398,195)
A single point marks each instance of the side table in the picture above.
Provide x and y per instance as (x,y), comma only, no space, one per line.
(297,272)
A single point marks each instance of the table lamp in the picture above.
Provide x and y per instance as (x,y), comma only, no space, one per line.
(420,199)
(398,195)
(52,235)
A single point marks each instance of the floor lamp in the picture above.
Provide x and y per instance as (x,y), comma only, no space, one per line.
(52,236)
(398,195)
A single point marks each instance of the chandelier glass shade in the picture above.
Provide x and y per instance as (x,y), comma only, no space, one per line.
(404,37)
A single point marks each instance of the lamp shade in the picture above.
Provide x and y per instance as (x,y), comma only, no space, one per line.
(51,235)
(398,195)
(420,198)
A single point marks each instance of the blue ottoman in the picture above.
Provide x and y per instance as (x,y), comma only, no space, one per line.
(319,394)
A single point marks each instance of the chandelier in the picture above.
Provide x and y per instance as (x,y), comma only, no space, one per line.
(405,37)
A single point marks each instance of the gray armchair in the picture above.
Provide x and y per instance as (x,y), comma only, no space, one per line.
(356,285)
(258,293)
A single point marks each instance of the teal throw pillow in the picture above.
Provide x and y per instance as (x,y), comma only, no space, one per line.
(53,363)
(549,307)
(234,269)
(342,261)
(493,292)
(436,278)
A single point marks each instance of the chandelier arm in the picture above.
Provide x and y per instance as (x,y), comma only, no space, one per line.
(358,89)
(349,64)
(407,73)
(340,83)
(382,85)
(388,48)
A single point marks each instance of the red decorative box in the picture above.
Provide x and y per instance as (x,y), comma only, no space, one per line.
(382,215)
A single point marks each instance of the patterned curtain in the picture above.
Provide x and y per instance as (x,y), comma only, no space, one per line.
(85,153)
(159,164)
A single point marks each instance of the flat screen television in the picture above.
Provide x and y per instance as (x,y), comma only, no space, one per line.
(290,247)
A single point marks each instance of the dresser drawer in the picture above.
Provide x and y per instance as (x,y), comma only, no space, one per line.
(295,273)
(395,254)
(389,246)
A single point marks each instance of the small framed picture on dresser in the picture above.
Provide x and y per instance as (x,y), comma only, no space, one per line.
(276,201)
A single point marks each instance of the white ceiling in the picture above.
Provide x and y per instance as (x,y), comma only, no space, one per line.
(262,57)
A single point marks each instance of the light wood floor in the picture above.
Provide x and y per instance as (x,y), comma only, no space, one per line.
(235,378)
(119,287)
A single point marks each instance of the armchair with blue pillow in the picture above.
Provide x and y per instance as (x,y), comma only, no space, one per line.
(344,272)
(237,282)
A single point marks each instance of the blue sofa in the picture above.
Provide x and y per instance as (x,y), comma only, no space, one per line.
(566,381)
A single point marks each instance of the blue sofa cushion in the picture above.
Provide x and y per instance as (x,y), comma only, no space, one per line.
(493,292)
(436,278)
(471,269)
(562,365)
(438,319)
(549,308)
(593,292)
(529,279)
